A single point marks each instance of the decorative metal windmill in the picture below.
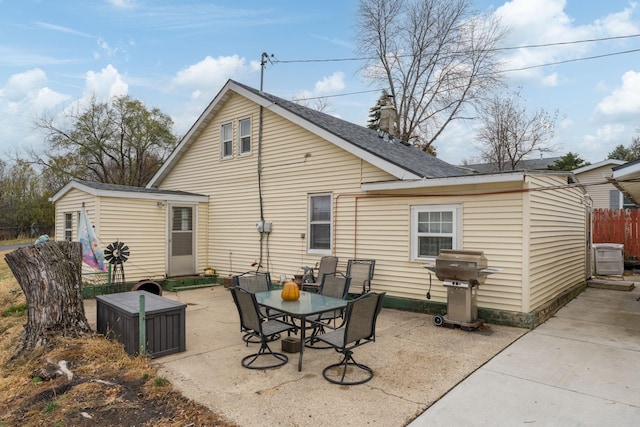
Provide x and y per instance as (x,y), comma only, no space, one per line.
(117,254)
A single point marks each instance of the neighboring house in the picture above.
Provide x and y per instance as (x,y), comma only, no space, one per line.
(523,165)
(603,193)
(274,185)
(626,178)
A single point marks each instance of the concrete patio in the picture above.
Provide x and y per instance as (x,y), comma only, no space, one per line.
(415,364)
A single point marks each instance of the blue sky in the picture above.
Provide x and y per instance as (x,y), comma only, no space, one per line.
(176,55)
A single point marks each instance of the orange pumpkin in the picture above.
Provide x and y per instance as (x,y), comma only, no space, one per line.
(290,291)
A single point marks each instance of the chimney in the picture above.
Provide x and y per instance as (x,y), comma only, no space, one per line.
(387,117)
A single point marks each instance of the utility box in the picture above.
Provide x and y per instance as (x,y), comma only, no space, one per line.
(609,259)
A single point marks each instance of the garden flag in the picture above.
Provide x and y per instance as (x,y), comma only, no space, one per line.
(91,253)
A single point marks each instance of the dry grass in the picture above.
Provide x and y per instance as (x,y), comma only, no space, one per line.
(107,388)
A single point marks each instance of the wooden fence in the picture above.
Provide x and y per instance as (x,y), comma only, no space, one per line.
(618,226)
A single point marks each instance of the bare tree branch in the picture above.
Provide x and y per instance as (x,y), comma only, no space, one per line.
(509,134)
(435,56)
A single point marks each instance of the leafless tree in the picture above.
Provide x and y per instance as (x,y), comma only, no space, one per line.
(321,104)
(509,134)
(433,56)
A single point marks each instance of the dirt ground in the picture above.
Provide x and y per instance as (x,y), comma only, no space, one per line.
(82,381)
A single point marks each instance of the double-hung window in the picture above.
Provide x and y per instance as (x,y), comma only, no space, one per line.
(319,212)
(244,137)
(68,226)
(226,140)
(434,227)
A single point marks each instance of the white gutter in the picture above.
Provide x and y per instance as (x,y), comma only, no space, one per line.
(156,195)
(629,171)
(440,182)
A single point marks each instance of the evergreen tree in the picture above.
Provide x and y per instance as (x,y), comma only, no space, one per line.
(620,153)
(568,162)
(374,112)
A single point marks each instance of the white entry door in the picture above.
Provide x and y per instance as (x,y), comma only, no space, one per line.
(181,242)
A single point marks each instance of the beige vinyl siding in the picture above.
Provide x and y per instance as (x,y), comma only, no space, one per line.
(600,194)
(140,224)
(557,243)
(514,228)
(493,223)
(295,165)
(72,203)
(490,222)
(291,158)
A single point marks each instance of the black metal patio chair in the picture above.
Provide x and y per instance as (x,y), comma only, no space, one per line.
(361,272)
(254,324)
(256,281)
(326,265)
(359,328)
(335,285)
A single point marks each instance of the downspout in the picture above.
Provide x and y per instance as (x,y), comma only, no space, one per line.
(263,61)
(260,184)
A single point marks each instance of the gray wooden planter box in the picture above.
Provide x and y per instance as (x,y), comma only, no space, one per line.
(118,317)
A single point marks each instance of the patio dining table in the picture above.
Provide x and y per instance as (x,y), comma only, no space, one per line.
(308,304)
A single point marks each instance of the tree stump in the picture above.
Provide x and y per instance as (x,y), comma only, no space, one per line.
(50,275)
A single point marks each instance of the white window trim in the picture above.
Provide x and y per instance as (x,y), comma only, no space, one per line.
(70,229)
(457,227)
(331,231)
(222,141)
(240,136)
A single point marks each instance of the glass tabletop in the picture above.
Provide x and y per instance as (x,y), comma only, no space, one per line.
(308,303)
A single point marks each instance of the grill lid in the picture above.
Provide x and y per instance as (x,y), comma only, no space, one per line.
(462,265)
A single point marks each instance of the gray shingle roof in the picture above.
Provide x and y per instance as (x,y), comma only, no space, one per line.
(394,151)
(131,189)
(522,165)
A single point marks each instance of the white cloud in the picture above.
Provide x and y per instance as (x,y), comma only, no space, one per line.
(327,86)
(624,100)
(109,51)
(25,97)
(105,84)
(598,145)
(47,99)
(204,79)
(619,23)
(19,86)
(208,75)
(62,29)
(551,80)
(545,22)
(606,133)
(122,4)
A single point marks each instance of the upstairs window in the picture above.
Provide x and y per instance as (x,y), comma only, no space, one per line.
(244,137)
(226,140)
(319,211)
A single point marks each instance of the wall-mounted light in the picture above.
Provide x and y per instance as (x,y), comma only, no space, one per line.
(160,205)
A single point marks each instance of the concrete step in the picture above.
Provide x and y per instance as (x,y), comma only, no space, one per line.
(613,284)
